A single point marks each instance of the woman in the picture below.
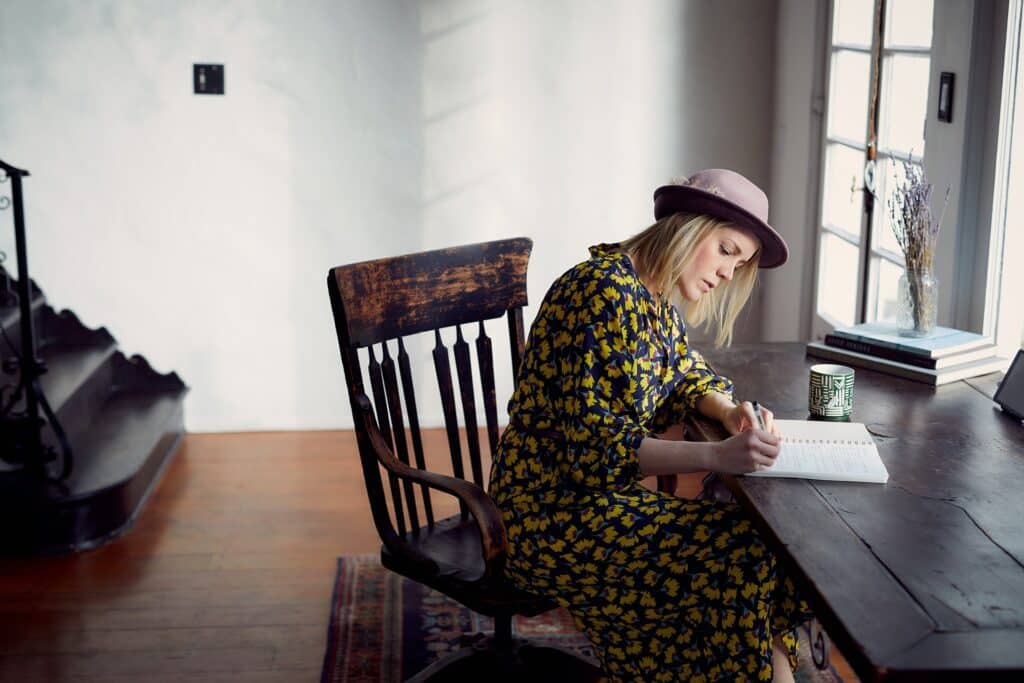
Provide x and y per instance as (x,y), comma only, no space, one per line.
(666,588)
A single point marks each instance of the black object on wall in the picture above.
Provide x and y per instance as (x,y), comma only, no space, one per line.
(208,79)
(946,81)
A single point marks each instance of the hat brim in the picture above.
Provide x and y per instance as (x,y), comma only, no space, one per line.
(670,199)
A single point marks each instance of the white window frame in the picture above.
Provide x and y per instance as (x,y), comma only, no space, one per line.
(821,323)
(1004,309)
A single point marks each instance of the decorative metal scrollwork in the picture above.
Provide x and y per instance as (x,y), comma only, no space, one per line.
(24,409)
(820,645)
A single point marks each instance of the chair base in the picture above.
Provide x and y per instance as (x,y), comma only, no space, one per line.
(483,658)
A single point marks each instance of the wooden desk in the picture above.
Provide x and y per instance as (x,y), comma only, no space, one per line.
(918,579)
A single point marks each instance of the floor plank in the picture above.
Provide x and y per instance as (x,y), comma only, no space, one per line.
(227,575)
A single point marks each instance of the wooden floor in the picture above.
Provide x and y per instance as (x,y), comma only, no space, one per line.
(227,572)
(227,575)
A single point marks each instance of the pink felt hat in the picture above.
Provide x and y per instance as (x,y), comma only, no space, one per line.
(725,194)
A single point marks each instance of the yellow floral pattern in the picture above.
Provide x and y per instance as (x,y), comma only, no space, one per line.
(667,588)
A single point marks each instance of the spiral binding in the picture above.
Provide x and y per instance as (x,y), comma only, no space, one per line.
(832,442)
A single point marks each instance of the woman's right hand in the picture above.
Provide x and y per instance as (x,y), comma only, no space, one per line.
(749,451)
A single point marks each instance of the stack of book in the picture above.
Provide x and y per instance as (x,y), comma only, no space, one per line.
(947,355)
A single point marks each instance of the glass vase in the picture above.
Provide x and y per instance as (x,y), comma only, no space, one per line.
(918,302)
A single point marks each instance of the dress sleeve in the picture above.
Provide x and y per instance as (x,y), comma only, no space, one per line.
(695,380)
(600,422)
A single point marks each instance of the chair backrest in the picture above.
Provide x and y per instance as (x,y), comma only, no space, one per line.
(378,304)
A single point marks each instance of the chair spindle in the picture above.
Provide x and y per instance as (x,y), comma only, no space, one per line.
(384,424)
(465,372)
(405,369)
(516,343)
(443,368)
(485,358)
(398,427)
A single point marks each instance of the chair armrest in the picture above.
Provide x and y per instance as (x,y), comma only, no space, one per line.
(701,428)
(493,540)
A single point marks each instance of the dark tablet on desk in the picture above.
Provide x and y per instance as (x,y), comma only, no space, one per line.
(1010,394)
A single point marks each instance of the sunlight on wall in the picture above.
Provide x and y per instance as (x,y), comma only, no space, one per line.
(556,122)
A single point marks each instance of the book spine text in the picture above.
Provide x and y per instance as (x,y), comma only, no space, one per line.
(879,351)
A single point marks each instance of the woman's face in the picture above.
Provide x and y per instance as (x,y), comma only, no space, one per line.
(717,258)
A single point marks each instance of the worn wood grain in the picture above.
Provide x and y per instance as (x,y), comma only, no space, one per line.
(965,656)
(938,549)
(404,295)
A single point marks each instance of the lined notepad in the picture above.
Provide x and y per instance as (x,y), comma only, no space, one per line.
(835,451)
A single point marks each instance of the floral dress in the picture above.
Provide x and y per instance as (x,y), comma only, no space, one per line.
(666,588)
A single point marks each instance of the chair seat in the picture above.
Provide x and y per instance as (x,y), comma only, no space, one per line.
(454,545)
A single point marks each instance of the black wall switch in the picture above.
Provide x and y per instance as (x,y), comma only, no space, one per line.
(208,79)
(946,96)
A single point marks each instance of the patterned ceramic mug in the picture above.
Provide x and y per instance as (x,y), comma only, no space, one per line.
(831,392)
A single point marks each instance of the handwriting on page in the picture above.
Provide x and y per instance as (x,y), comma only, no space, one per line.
(833,458)
(830,451)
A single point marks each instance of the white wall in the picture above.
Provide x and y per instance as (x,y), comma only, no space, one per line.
(947,152)
(199,229)
(796,145)
(554,121)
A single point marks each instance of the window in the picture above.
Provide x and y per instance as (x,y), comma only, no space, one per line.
(877,106)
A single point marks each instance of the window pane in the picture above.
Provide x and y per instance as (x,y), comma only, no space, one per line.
(837,279)
(848,95)
(851,22)
(904,103)
(888,174)
(840,207)
(888,278)
(909,23)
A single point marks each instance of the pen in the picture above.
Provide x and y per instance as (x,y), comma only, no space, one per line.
(760,418)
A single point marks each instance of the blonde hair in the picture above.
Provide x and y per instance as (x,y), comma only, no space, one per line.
(661,253)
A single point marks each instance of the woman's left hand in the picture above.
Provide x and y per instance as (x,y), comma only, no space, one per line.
(741,418)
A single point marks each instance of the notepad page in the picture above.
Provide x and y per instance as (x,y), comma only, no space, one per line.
(831,451)
(826,461)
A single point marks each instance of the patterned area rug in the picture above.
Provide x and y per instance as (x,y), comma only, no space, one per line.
(384,628)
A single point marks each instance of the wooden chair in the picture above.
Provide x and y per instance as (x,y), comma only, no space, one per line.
(378,304)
